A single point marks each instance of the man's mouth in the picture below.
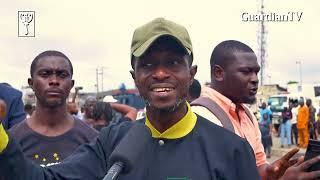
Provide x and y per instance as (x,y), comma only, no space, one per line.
(253,91)
(163,89)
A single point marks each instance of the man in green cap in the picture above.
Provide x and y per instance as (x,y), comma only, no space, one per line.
(183,145)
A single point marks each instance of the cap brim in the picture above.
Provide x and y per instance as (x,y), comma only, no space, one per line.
(145,46)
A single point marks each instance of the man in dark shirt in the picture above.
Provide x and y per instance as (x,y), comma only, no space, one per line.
(312,120)
(51,133)
(183,144)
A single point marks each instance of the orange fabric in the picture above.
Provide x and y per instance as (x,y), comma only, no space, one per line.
(303,117)
(303,135)
(243,126)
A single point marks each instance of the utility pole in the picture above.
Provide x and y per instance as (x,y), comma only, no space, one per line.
(101,73)
(97,80)
(262,44)
(300,72)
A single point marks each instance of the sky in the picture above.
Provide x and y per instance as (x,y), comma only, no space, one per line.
(97,34)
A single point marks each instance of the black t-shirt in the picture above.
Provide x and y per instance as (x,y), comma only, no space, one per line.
(47,151)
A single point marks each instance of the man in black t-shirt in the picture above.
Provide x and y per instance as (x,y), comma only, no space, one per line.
(51,133)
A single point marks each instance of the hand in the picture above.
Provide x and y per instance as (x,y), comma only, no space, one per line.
(278,168)
(72,108)
(299,170)
(3,109)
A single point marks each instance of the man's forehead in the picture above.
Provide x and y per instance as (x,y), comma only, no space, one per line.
(245,55)
(53,62)
(90,100)
(241,58)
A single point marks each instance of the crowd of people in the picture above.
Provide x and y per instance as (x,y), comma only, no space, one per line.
(196,132)
(299,123)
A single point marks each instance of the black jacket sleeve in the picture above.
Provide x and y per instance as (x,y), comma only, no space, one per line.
(245,160)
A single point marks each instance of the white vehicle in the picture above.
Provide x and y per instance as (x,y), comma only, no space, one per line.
(278,102)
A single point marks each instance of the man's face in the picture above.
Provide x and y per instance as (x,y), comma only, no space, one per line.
(88,107)
(163,77)
(308,102)
(51,81)
(301,103)
(240,78)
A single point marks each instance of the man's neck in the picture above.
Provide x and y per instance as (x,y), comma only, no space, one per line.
(51,121)
(163,120)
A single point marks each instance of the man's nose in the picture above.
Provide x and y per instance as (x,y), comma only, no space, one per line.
(254,79)
(54,80)
(160,74)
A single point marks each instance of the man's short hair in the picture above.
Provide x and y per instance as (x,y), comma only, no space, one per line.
(224,52)
(195,89)
(88,99)
(102,109)
(46,54)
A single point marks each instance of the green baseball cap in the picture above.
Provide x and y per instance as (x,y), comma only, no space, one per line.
(145,35)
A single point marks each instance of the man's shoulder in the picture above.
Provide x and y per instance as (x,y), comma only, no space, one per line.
(213,132)
(205,113)
(112,134)
(82,127)
(20,130)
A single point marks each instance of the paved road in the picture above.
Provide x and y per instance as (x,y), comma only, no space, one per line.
(278,152)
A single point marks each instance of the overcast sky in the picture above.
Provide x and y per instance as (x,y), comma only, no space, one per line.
(98,34)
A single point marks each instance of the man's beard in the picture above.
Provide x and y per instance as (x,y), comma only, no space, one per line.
(249,100)
(173,108)
(50,104)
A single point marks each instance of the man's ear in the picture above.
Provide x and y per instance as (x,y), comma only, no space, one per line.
(217,72)
(30,83)
(72,83)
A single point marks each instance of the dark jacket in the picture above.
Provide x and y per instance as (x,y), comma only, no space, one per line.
(208,152)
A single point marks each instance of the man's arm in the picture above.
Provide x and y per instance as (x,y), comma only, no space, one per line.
(127,111)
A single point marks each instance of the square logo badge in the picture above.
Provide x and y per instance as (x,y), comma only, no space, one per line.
(26,24)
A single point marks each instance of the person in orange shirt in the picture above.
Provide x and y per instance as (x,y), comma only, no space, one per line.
(302,125)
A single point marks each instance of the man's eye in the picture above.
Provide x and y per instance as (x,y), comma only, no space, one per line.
(64,75)
(44,73)
(246,71)
(175,62)
(147,65)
